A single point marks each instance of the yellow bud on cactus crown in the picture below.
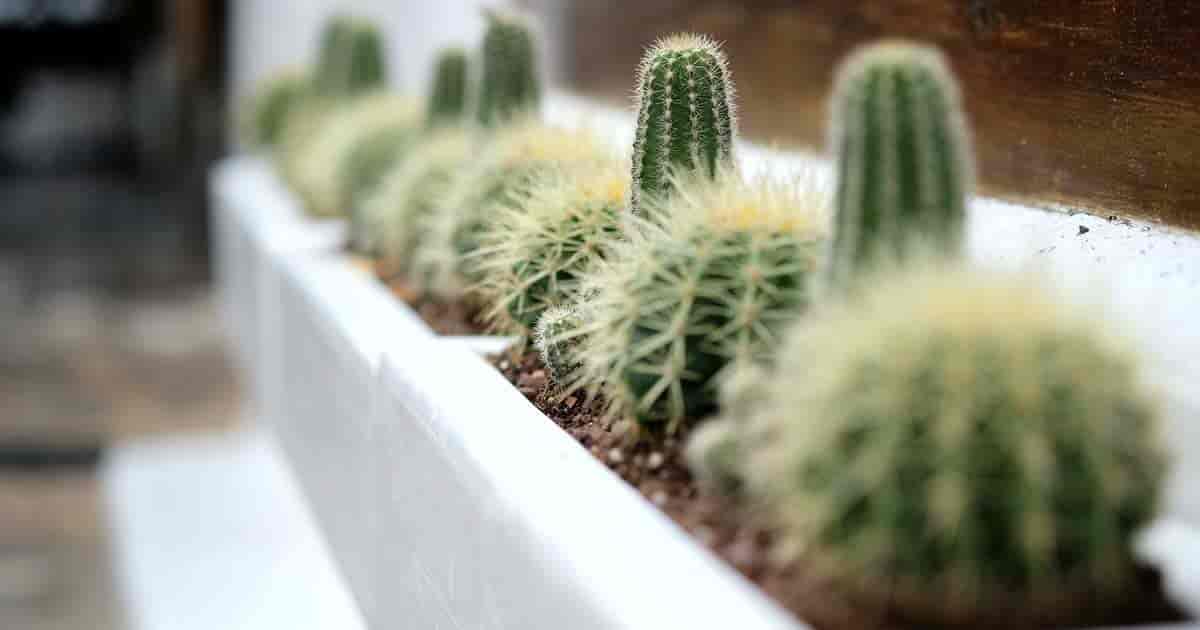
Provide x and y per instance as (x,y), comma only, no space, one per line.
(510,156)
(706,281)
(954,442)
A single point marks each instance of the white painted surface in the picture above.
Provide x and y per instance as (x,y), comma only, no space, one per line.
(212,532)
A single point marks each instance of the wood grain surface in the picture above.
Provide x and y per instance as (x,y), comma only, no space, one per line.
(1088,103)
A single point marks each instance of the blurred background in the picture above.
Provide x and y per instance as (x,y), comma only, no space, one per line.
(111,112)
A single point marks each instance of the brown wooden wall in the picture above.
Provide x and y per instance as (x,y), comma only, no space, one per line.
(1091,103)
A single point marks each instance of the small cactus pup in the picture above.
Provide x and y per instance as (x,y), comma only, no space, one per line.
(512,155)
(510,84)
(904,164)
(398,211)
(262,122)
(448,94)
(961,447)
(322,169)
(534,252)
(686,118)
(706,281)
(557,338)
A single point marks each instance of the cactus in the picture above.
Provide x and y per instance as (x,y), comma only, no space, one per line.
(350,67)
(903,161)
(515,153)
(533,253)
(448,95)
(263,123)
(510,86)
(320,168)
(362,172)
(557,339)
(686,114)
(961,446)
(730,263)
(398,212)
(714,449)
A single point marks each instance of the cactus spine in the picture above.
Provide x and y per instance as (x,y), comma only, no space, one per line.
(534,253)
(903,160)
(961,446)
(448,95)
(679,302)
(510,86)
(686,115)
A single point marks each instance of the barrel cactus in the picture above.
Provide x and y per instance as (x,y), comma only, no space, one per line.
(321,169)
(510,85)
(533,253)
(511,156)
(903,160)
(960,446)
(686,114)
(707,281)
(398,212)
(448,94)
(263,121)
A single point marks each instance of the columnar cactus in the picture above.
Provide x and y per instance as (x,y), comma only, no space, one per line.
(533,253)
(705,282)
(366,69)
(960,446)
(397,214)
(331,56)
(510,85)
(557,337)
(448,94)
(903,161)
(686,115)
(521,150)
(271,104)
(320,174)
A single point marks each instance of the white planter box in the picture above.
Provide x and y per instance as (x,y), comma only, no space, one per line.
(253,218)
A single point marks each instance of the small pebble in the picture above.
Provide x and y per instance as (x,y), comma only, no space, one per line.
(616,456)
(659,498)
(1083,230)
(655,461)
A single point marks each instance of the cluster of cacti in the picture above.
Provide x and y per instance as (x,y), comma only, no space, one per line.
(534,252)
(398,212)
(515,153)
(957,444)
(510,86)
(686,115)
(320,171)
(904,165)
(706,281)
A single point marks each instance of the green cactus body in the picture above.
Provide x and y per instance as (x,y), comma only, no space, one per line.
(363,170)
(398,212)
(960,446)
(321,166)
(519,151)
(557,339)
(274,99)
(366,68)
(686,115)
(903,161)
(448,95)
(533,254)
(510,86)
(331,58)
(730,264)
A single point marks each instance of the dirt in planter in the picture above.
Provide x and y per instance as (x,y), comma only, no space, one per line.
(657,469)
(445,317)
